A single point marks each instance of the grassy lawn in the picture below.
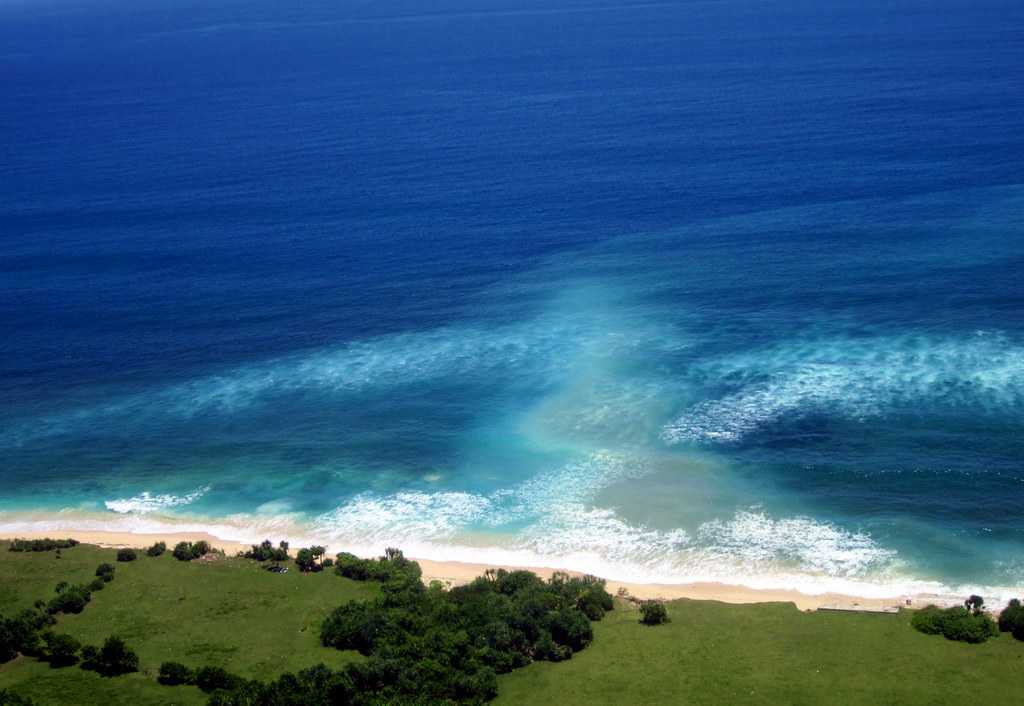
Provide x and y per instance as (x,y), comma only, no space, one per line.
(713,653)
(233,614)
(227,613)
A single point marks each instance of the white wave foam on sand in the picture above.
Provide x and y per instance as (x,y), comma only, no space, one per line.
(146,502)
(855,378)
(550,520)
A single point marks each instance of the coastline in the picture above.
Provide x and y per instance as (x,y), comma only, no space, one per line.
(458,572)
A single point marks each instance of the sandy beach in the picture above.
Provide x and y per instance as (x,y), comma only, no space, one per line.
(455,573)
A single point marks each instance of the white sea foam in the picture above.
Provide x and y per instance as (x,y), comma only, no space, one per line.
(855,378)
(147,502)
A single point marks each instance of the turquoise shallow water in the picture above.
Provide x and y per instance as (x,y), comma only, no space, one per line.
(665,292)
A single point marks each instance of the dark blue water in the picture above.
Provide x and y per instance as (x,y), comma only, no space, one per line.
(671,290)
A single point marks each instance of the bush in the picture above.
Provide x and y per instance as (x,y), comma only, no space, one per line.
(266,551)
(111,660)
(61,650)
(22,633)
(959,623)
(1011,619)
(653,613)
(126,555)
(70,599)
(429,645)
(105,572)
(175,673)
(41,545)
(214,678)
(97,584)
(157,549)
(310,559)
(187,551)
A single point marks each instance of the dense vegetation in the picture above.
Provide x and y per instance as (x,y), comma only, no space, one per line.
(425,645)
(248,637)
(966,623)
(187,551)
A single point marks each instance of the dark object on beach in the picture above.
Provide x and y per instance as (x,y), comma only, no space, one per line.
(157,549)
(126,555)
(653,613)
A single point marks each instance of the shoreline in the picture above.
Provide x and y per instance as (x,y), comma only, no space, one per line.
(455,573)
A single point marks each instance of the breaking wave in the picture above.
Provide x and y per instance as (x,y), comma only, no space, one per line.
(853,378)
(147,502)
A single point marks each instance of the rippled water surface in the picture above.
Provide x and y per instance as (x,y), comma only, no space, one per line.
(666,291)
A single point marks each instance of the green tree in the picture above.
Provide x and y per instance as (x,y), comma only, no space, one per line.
(126,555)
(61,650)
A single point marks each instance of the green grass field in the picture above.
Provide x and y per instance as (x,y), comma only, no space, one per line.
(227,613)
(714,653)
(257,624)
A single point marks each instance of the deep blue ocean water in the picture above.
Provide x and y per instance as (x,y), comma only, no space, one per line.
(663,290)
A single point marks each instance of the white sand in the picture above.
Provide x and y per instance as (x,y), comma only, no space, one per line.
(455,573)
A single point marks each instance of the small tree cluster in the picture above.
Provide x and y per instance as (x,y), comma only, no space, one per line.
(653,613)
(69,599)
(392,565)
(60,650)
(22,633)
(110,660)
(310,558)
(126,555)
(961,623)
(41,545)
(1011,619)
(157,549)
(266,551)
(187,551)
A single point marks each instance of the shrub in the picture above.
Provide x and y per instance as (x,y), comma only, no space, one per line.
(431,645)
(310,559)
(266,551)
(22,633)
(97,584)
(213,678)
(61,650)
(113,659)
(1011,619)
(41,545)
(328,563)
(126,555)
(571,627)
(974,604)
(653,613)
(201,548)
(959,623)
(183,551)
(71,599)
(174,673)
(105,572)
(157,549)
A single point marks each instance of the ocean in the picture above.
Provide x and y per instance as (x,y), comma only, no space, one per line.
(665,291)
